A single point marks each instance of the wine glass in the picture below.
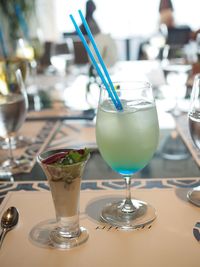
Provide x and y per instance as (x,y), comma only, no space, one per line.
(176,76)
(14,63)
(13,110)
(62,56)
(127,140)
(63,232)
(194,128)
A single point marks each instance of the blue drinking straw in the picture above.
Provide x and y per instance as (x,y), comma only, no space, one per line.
(22,21)
(3,46)
(99,57)
(116,100)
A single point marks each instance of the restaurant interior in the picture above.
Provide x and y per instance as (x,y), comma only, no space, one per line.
(99,133)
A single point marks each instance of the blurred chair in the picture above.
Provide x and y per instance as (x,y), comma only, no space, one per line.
(176,39)
(45,58)
(80,54)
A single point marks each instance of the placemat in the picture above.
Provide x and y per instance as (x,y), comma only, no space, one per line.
(183,130)
(169,241)
(73,134)
(39,133)
(61,113)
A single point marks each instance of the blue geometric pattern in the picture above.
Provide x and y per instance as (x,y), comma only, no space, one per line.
(118,184)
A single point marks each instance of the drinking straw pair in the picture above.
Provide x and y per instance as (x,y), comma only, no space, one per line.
(110,87)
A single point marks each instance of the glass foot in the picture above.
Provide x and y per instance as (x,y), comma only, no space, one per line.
(194,196)
(144,214)
(15,163)
(45,235)
(14,166)
(16,142)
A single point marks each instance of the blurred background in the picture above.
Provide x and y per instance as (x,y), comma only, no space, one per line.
(129,19)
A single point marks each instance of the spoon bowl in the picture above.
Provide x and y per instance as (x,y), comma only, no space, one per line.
(8,221)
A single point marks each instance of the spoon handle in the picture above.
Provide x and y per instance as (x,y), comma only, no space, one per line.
(3,233)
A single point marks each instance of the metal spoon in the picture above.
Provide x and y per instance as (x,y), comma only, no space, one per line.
(8,222)
(194,196)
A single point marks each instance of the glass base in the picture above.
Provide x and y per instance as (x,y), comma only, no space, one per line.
(16,142)
(194,196)
(14,165)
(45,235)
(143,214)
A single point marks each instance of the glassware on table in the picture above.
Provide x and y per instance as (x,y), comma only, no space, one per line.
(18,141)
(13,110)
(62,56)
(64,232)
(176,76)
(127,140)
(14,63)
(25,50)
(194,128)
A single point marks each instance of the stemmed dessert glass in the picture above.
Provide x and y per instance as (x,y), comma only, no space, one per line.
(127,140)
(64,179)
(194,128)
(13,110)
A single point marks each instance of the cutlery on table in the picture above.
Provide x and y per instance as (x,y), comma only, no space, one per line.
(8,221)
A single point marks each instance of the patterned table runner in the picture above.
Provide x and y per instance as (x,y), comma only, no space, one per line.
(39,133)
(116,184)
(62,113)
(73,134)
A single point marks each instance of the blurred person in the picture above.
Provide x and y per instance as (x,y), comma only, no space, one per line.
(89,16)
(80,54)
(167,18)
(166,11)
(170,38)
(105,42)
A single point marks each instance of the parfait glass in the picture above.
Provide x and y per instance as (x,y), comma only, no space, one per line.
(194,129)
(63,232)
(13,110)
(127,140)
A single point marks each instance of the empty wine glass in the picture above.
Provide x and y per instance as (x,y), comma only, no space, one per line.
(194,128)
(127,140)
(13,109)
(176,76)
(14,63)
(62,56)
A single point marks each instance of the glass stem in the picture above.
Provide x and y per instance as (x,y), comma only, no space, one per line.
(10,155)
(128,206)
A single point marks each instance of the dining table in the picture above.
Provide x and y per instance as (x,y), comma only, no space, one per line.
(65,118)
